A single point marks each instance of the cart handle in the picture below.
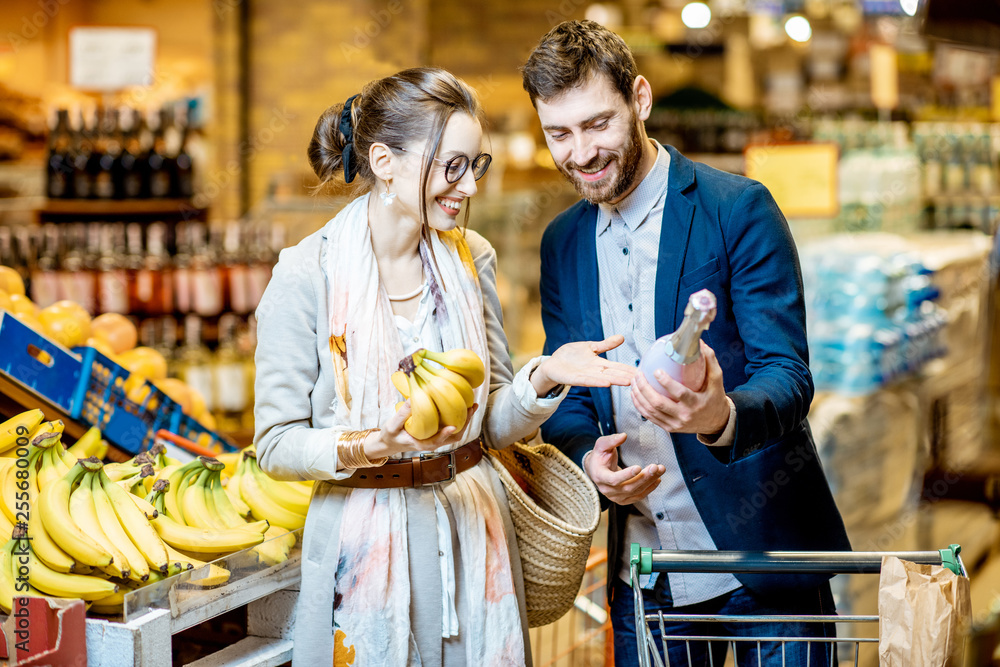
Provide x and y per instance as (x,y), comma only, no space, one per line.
(184,443)
(801,562)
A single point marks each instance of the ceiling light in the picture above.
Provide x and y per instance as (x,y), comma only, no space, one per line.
(798,28)
(696,15)
(909,6)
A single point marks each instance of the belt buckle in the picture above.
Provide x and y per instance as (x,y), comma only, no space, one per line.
(452,467)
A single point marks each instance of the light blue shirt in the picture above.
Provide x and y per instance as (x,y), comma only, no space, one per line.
(628,242)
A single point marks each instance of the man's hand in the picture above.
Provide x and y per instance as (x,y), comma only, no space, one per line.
(622,487)
(683,410)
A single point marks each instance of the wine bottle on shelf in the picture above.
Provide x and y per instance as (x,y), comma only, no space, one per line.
(102,158)
(206,278)
(679,354)
(155,281)
(183,181)
(45,276)
(130,165)
(76,282)
(182,268)
(235,271)
(139,294)
(159,162)
(194,360)
(59,169)
(112,278)
(229,377)
(83,147)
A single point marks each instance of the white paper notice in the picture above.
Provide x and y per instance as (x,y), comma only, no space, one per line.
(103,58)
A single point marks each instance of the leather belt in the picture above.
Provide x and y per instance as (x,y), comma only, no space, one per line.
(416,471)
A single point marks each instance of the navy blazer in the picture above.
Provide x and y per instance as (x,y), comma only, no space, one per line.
(724,233)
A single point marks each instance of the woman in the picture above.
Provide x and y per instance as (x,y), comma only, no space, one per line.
(410,574)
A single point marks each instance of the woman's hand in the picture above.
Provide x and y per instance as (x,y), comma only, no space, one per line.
(393,438)
(577,364)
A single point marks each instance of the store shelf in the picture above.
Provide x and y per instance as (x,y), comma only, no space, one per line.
(64,210)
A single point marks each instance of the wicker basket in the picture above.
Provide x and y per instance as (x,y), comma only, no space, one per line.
(555,510)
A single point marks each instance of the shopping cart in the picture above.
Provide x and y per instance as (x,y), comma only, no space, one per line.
(646,561)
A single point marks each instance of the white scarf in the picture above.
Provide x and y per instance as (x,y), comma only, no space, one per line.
(372,579)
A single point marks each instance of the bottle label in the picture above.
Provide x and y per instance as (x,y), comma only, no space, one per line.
(144,287)
(182,290)
(112,292)
(206,295)
(57,185)
(104,187)
(257,278)
(230,388)
(239,292)
(133,185)
(200,379)
(78,286)
(159,184)
(44,288)
(81,185)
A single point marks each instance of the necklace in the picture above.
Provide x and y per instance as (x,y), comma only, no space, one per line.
(407,296)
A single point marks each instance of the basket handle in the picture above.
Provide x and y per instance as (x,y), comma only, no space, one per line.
(184,443)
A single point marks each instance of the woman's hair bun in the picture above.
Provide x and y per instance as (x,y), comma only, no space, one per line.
(327,145)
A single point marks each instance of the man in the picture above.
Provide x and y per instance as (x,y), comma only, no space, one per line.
(731,466)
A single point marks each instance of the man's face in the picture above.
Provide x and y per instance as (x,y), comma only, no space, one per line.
(595,139)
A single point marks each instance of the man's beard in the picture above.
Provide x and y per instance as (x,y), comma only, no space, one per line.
(607,190)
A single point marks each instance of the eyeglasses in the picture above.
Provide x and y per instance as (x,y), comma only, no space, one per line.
(455,168)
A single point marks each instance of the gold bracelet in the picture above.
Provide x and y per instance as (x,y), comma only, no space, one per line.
(351,450)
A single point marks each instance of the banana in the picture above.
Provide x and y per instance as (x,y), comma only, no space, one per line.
(187,538)
(232,490)
(194,504)
(401,383)
(112,604)
(19,427)
(8,589)
(230,460)
(459,381)
(8,494)
(178,562)
(277,545)
(59,584)
(52,467)
(84,513)
(138,527)
(6,528)
(224,508)
(53,506)
(289,495)
(88,444)
(212,576)
(45,548)
(462,361)
(262,505)
(448,400)
(112,527)
(177,481)
(423,420)
(144,506)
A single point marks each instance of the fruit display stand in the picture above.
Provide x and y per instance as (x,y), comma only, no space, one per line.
(85,388)
(141,636)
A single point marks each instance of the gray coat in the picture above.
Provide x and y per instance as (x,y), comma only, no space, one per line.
(296,431)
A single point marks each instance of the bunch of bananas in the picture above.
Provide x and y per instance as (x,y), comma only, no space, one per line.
(439,386)
(93,531)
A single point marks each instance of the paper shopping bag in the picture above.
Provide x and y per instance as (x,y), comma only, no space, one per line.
(924,615)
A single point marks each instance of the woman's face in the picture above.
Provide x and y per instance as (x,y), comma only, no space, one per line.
(463,135)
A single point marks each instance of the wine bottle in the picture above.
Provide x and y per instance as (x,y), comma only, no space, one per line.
(59,171)
(679,354)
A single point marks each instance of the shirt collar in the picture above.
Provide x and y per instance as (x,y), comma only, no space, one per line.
(636,207)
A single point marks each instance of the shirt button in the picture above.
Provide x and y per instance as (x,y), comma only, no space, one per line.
(624,251)
(643,418)
(659,516)
(636,362)
(416,339)
(630,308)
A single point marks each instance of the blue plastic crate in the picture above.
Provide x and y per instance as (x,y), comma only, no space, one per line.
(44,366)
(101,400)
